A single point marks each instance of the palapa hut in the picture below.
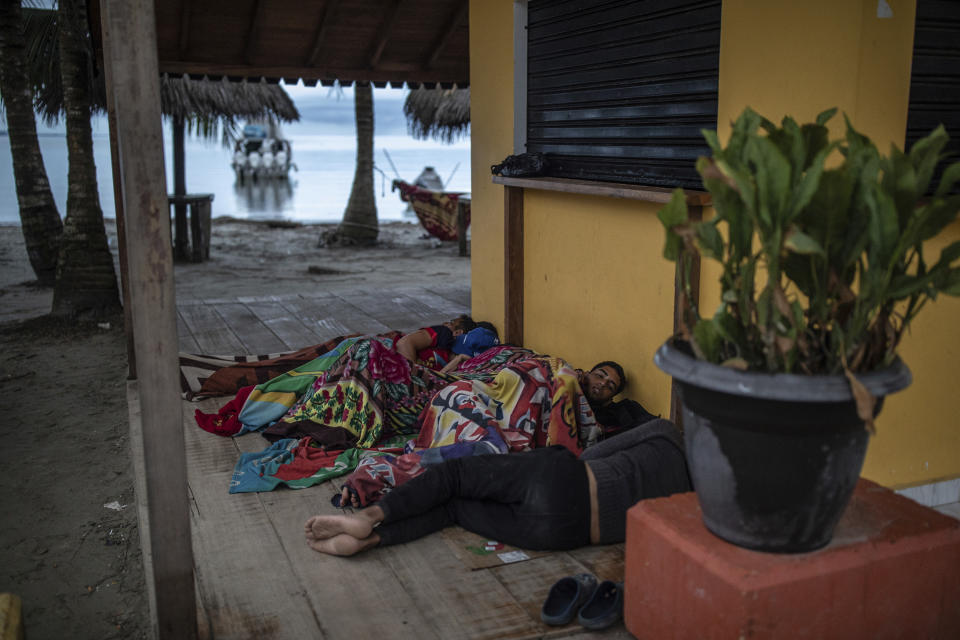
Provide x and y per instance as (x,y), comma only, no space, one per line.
(206,106)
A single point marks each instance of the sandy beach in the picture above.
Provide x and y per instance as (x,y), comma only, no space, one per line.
(69,545)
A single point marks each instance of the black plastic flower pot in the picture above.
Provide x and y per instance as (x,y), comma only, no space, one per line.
(774,458)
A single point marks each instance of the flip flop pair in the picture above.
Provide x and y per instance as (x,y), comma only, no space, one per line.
(596,606)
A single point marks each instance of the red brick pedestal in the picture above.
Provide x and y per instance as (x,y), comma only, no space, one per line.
(891,571)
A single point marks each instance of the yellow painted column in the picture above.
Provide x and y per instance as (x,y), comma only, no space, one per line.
(799,58)
(491,140)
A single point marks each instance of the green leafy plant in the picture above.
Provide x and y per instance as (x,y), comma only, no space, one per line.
(823,268)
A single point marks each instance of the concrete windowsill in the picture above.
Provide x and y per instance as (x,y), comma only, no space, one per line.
(610,189)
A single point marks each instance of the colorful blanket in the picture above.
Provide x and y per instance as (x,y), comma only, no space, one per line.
(436,210)
(269,401)
(297,464)
(533,402)
(370,395)
(372,392)
(203,376)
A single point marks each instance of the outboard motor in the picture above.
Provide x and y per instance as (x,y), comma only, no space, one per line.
(254,163)
(269,163)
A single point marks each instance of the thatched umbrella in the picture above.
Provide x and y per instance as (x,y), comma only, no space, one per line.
(441,114)
(206,103)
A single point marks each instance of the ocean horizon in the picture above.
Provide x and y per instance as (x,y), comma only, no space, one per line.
(323,149)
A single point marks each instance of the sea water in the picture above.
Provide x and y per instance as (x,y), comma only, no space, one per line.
(324,152)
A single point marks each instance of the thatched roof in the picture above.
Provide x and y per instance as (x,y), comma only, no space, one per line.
(218,98)
(202,103)
(441,114)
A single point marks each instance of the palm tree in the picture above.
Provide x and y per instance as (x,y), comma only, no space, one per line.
(441,114)
(39,219)
(204,107)
(359,224)
(86,283)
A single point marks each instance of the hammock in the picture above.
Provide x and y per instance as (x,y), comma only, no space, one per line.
(436,210)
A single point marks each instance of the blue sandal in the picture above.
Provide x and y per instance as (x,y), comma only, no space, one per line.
(566,597)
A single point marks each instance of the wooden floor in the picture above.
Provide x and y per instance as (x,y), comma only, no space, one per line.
(256,577)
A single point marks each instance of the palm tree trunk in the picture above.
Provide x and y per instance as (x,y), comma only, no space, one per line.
(359,225)
(39,219)
(86,281)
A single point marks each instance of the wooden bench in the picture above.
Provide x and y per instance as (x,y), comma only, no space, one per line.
(199,207)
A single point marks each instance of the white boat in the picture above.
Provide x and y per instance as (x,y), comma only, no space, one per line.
(262,153)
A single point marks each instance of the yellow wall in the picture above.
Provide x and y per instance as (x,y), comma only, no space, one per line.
(596,286)
(840,54)
(799,58)
(491,140)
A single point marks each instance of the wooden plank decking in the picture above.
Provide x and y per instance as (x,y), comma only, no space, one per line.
(255,575)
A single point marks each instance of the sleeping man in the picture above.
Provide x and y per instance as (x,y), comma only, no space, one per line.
(543,499)
(532,403)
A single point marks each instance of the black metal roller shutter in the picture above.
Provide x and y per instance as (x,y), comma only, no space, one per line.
(619,91)
(935,76)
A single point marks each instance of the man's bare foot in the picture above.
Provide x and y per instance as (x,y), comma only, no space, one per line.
(359,525)
(343,544)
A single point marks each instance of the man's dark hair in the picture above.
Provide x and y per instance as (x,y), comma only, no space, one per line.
(489,326)
(464,323)
(616,367)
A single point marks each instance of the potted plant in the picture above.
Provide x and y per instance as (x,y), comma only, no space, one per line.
(820,244)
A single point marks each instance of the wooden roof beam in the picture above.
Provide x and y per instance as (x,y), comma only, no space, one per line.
(456,17)
(253,30)
(383,34)
(323,25)
(183,43)
(392,72)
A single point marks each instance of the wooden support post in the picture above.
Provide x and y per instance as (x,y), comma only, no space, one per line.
(204,213)
(196,232)
(513,264)
(180,189)
(676,412)
(462,226)
(118,216)
(130,28)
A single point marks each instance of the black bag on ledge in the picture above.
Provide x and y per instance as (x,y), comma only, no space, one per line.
(524,165)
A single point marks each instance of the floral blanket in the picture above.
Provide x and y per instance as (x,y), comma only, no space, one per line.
(362,409)
(371,394)
(269,401)
(532,402)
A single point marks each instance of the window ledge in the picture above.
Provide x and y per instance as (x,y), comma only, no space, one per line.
(610,189)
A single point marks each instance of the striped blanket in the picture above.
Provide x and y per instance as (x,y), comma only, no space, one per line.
(204,376)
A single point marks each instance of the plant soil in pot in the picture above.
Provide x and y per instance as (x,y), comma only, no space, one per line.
(774,457)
